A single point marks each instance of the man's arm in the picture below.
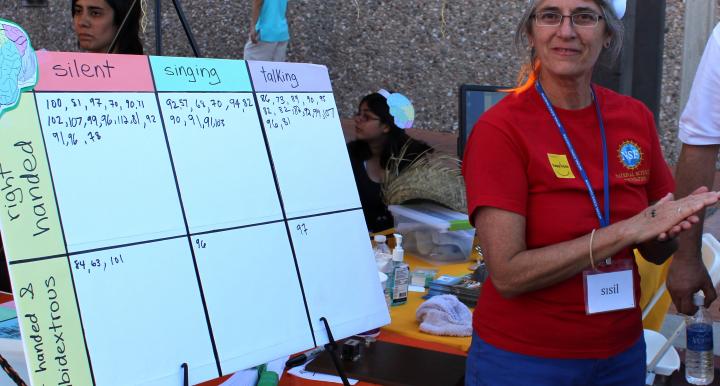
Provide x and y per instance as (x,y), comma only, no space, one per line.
(254,15)
(695,168)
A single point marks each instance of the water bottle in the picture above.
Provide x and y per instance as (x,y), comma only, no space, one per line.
(699,369)
(383,257)
(380,245)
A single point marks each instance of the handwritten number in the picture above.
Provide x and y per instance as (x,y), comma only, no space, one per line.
(302,229)
(97,263)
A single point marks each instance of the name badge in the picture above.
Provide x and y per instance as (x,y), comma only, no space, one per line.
(610,289)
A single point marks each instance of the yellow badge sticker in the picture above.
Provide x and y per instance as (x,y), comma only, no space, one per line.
(560,165)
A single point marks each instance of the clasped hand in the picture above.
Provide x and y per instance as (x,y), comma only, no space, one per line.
(668,217)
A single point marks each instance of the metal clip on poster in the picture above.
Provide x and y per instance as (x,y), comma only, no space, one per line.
(331,348)
(158,27)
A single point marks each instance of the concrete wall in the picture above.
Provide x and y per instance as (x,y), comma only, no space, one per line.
(672,72)
(423,48)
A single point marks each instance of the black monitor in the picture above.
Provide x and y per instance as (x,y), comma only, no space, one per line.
(474,101)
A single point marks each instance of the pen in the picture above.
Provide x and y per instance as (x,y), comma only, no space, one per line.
(304,357)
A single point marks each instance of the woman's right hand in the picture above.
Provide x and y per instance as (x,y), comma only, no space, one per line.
(668,217)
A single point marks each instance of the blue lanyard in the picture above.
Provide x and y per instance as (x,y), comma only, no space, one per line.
(604,220)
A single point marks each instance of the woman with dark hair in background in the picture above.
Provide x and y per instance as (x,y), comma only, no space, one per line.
(379,137)
(96,22)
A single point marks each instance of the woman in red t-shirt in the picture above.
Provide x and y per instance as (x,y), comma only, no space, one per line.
(564,179)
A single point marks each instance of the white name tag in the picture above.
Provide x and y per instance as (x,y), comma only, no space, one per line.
(609,291)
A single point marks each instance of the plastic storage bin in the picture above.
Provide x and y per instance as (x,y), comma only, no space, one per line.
(434,233)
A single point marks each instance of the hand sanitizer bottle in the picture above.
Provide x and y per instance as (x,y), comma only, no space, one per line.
(400,275)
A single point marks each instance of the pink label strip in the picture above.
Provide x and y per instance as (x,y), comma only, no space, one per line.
(71,71)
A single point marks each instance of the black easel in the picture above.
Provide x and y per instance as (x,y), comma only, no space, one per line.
(183,21)
(331,348)
(186,377)
(11,372)
(158,27)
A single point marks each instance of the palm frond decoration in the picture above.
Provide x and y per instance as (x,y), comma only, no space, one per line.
(433,177)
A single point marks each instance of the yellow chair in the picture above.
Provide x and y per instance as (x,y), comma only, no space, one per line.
(654,299)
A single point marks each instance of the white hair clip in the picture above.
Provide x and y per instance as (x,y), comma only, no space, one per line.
(401,108)
(619,6)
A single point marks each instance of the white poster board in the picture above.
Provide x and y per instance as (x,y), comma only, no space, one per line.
(161,211)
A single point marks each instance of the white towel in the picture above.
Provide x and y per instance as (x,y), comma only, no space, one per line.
(444,315)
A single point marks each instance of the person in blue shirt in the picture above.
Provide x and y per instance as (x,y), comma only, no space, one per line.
(269,34)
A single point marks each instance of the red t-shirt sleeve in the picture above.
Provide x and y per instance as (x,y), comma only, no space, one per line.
(495,170)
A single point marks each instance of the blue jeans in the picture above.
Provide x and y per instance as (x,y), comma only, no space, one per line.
(488,365)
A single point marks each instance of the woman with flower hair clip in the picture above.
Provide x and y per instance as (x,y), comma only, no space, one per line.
(380,136)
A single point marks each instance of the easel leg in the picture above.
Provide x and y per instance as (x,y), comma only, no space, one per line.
(331,348)
(183,21)
(186,377)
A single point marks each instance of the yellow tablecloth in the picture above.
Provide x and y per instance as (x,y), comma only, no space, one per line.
(403,317)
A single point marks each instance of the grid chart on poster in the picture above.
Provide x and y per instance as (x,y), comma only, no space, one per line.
(161,211)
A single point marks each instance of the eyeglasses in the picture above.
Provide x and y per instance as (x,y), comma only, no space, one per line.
(554,19)
(364,118)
